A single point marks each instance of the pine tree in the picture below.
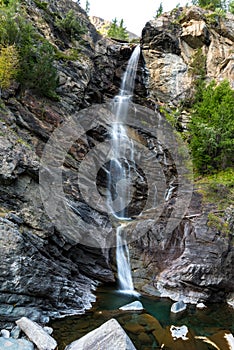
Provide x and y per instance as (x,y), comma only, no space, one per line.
(117,31)
(159,11)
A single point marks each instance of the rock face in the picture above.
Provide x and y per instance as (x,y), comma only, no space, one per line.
(193,263)
(108,336)
(170,43)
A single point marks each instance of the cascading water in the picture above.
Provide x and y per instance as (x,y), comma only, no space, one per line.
(120,169)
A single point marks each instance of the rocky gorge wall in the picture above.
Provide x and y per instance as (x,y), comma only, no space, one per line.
(42,271)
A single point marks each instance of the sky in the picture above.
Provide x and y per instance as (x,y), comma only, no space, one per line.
(135,13)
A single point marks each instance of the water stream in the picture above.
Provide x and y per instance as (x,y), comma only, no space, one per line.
(120,171)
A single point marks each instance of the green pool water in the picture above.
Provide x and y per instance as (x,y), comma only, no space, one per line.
(204,322)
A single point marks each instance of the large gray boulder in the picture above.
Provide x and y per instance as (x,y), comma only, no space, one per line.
(108,336)
(37,334)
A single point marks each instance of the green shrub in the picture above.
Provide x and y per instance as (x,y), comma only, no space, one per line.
(9,62)
(71,25)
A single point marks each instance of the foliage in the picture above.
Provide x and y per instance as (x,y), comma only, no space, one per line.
(218,223)
(159,11)
(211,5)
(41,4)
(231,7)
(117,31)
(38,70)
(36,58)
(9,62)
(71,25)
(212,128)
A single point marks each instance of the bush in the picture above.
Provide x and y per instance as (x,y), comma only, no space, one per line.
(9,62)
(71,25)
(212,128)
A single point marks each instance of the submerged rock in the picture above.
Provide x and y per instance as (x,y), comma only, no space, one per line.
(135,305)
(37,334)
(179,332)
(108,336)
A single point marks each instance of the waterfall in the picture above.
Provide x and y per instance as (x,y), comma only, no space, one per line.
(120,169)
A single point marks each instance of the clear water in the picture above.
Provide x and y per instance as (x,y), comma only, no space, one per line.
(205,322)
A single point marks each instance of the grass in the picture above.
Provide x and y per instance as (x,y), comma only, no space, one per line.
(217,188)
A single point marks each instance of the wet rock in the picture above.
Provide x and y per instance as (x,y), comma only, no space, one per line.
(37,334)
(134,306)
(108,336)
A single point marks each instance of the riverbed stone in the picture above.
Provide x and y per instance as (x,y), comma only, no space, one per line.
(108,336)
(5,333)
(37,334)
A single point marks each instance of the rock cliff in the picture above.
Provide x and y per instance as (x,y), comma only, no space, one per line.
(43,272)
(170,43)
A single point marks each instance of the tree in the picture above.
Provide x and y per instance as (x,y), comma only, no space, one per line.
(117,31)
(212,128)
(159,11)
(87,6)
(9,63)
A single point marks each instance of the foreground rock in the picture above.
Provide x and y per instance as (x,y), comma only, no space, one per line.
(108,336)
(37,334)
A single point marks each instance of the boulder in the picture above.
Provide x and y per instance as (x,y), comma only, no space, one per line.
(178,307)
(108,336)
(37,334)
(134,306)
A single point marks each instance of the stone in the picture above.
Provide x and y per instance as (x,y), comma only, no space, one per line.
(15,332)
(48,330)
(179,306)
(15,344)
(37,334)
(108,336)
(134,306)
(5,333)
(200,306)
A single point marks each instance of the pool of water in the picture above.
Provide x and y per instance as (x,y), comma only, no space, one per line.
(140,325)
